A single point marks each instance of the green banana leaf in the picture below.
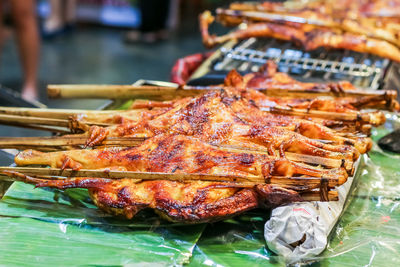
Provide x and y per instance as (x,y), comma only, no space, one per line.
(47,227)
(367,234)
(54,228)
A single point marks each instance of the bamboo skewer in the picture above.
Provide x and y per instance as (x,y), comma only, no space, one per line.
(51,113)
(31,120)
(118,91)
(273,17)
(307,196)
(249,180)
(316,196)
(16,119)
(62,125)
(54,117)
(167,93)
(51,143)
(341,116)
(343,25)
(108,174)
(54,143)
(331,163)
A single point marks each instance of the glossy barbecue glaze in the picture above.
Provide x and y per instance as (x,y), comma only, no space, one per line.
(194,201)
(360,36)
(210,118)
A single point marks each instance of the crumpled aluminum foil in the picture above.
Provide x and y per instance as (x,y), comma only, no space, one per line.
(300,230)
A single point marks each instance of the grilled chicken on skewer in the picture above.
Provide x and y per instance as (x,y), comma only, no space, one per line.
(208,118)
(361,26)
(192,202)
(177,154)
(308,36)
(382,9)
(239,118)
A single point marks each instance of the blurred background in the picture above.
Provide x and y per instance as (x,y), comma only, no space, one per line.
(93,41)
(90,41)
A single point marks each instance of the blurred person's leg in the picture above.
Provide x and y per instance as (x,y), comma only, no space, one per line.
(162,12)
(70,12)
(55,21)
(1,26)
(150,20)
(24,17)
(153,19)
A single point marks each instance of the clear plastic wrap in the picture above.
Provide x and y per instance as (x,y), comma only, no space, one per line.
(50,227)
(367,233)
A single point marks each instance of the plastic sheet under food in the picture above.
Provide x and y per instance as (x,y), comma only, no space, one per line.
(367,233)
(300,230)
(46,227)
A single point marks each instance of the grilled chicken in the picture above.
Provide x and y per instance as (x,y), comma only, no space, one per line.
(195,201)
(210,119)
(360,36)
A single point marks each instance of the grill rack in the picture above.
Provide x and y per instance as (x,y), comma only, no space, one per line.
(363,70)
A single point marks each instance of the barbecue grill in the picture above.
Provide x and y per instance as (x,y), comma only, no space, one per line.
(363,70)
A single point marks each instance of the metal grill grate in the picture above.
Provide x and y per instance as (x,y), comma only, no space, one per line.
(363,70)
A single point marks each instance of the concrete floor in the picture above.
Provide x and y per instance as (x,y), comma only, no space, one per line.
(97,55)
(94,55)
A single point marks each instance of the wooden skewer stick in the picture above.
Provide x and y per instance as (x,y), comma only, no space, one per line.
(316,196)
(51,113)
(331,163)
(353,117)
(267,16)
(307,196)
(118,91)
(55,115)
(168,93)
(24,121)
(16,119)
(39,127)
(48,173)
(66,142)
(295,18)
(108,174)
(49,143)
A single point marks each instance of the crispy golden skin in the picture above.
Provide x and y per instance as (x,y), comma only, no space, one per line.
(309,36)
(175,154)
(210,118)
(195,201)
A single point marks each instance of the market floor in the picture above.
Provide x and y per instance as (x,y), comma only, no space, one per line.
(97,55)
(94,55)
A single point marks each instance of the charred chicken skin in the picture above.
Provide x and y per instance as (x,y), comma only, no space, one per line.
(194,201)
(360,36)
(210,119)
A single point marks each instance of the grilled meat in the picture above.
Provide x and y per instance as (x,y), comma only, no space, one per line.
(195,201)
(210,119)
(309,28)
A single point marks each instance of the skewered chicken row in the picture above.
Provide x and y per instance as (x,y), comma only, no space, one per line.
(246,111)
(334,16)
(140,110)
(383,9)
(343,105)
(194,201)
(266,77)
(210,119)
(269,77)
(309,36)
(250,113)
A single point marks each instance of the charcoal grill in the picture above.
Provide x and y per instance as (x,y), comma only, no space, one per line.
(363,70)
